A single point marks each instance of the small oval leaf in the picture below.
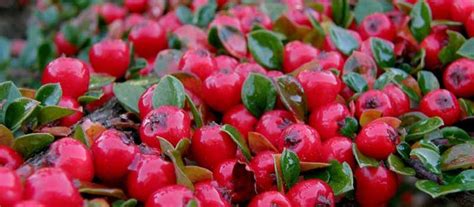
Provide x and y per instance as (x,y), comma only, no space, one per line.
(396,165)
(343,40)
(237,138)
(49,114)
(292,95)
(429,158)
(460,156)
(420,20)
(128,95)
(19,111)
(290,167)
(420,128)
(259,143)
(258,94)
(266,48)
(383,52)
(362,159)
(169,92)
(30,144)
(427,81)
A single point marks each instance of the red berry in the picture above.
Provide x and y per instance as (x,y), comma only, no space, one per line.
(312,192)
(53,188)
(300,17)
(459,77)
(108,94)
(439,8)
(111,57)
(72,74)
(329,60)
(29,203)
(433,44)
(170,196)
(137,6)
(263,167)
(70,155)
(150,174)
(191,42)
(9,158)
(145,102)
(469,25)
(148,38)
(227,86)
(233,181)
(377,139)
(244,69)
(399,100)
(257,17)
(199,62)
(375,186)
(223,173)
(461,9)
(239,117)
(225,62)
(270,198)
(338,148)
(303,140)
(272,124)
(169,122)
(208,194)
(63,46)
(225,20)
(328,119)
(377,25)
(441,103)
(10,186)
(113,151)
(316,82)
(170,21)
(374,99)
(297,54)
(211,137)
(366,46)
(111,12)
(72,119)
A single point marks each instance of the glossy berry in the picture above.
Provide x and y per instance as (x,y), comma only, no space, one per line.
(440,8)
(441,103)
(63,46)
(191,42)
(377,25)
(227,86)
(145,102)
(168,122)
(264,169)
(136,6)
(470,25)
(303,140)
(329,119)
(239,117)
(211,137)
(296,54)
(461,9)
(199,62)
(459,78)
(329,60)
(52,187)
(433,44)
(70,103)
(9,158)
(29,203)
(110,57)
(398,98)
(312,192)
(321,87)
(70,155)
(150,174)
(63,70)
(377,139)
(148,38)
(272,124)
(374,99)
(370,178)
(225,62)
(208,193)
(244,69)
(10,186)
(113,151)
(111,12)
(170,196)
(338,148)
(270,198)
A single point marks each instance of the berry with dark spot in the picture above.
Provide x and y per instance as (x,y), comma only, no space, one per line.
(377,25)
(263,167)
(210,194)
(303,140)
(374,99)
(312,192)
(441,103)
(377,139)
(459,78)
(272,124)
(71,155)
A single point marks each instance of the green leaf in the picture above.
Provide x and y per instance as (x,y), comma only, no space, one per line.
(404,150)
(4,53)
(6,136)
(167,62)
(427,81)
(169,92)
(205,14)
(343,40)
(184,15)
(365,8)
(292,95)
(455,135)
(429,158)
(49,114)
(238,140)
(30,144)
(232,40)
(342,179)
(448,53)
(128,203)
(97,81)
(396,165)
(356,82)
(192,203)
(19,111)
(460,156)
(467,49)
(46,53)
(411,118)
(467,106)
(8,93)
(420,128)
(258,94)
(49,94)
(462,182)
(80,135)
(266,48)
(420,20)
(273,9)
(175,156)
(398,80)
(341,12)
(90,96)
(383,53)
(128,95)
(290,167)
(362,159)
(350,127)
(197,117)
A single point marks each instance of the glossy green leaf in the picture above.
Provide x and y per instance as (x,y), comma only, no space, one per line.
(350,127)
(356,82)
(420,128)
(427,81)
(205,14)
(396,165)
(49,94)
(466,106)
(292,95)
(464,181)
(448,53)
(429,158)
(426,143)
(238,140)
(398,80)
(80,135)
(342,15)
(6,136)
(362,159)
(184,14)
(167,62)
(128,203)
(290,167)
(411,118)
(169,92)
(8,93)
(46,53)
(266,49)
(175,156)
(342,179)
(19,111)
(343,40)
(49,114)
(233,41)
(455,135)
(365,8)
(90,96)
(420,20)
(30,144)
(383,54)
(459,156)
(258,94)
(197,116)
(404,150)
(467,49)
(128,95)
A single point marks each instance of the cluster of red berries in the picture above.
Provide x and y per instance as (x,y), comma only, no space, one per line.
(140,167)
